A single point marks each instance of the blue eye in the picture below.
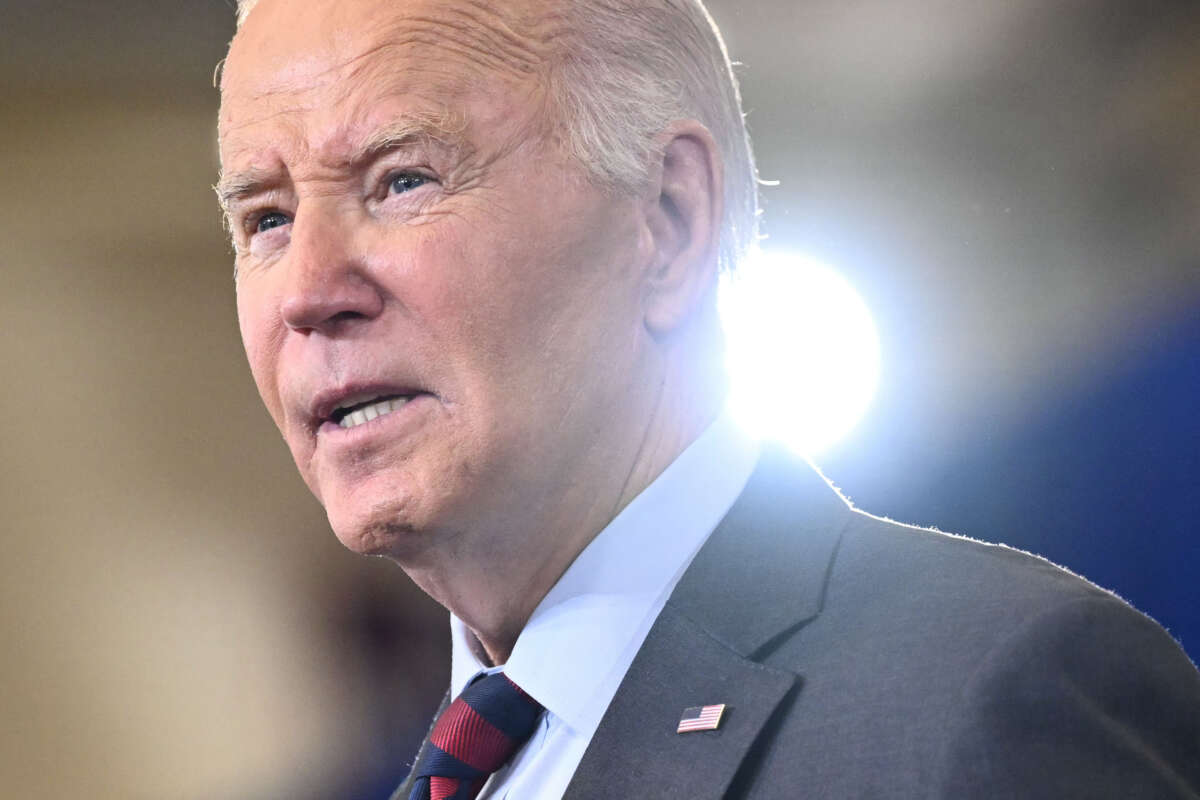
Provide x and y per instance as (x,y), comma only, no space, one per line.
(406,182)
(271,220)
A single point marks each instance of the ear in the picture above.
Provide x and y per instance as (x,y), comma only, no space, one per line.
(683,211)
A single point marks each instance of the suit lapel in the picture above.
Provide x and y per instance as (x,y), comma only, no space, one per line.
(760,576)
(405,789)
(636,751)
(763,571)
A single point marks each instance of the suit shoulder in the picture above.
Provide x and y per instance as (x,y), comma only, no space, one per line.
(907,564)
(948,604)
(938,666)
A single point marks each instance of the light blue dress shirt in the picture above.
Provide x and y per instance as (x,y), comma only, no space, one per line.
(580,640)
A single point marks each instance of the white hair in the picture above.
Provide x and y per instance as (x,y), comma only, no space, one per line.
(626,70)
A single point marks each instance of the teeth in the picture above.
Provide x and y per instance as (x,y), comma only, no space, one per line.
(358,400)
(368,413)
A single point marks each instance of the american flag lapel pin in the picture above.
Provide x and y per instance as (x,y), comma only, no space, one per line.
(701,718)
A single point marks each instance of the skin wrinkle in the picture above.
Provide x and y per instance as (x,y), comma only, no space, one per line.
(367,60)
(497,32)
(544,26)
(442,131)
(488,52)
(306,83)
(397,37)
(428,72)
(482,21)
(485,30)
(411,132)
(486,37)
(358,65)
(481,60)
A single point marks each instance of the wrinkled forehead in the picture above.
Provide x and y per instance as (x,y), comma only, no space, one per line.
(308,55)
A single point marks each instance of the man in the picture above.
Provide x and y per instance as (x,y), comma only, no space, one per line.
(477,247)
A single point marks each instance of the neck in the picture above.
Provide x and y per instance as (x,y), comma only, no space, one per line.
(494,583)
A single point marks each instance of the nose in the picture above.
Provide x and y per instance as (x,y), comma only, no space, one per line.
(327,285)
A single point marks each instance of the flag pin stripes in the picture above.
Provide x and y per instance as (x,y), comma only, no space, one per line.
(701,718)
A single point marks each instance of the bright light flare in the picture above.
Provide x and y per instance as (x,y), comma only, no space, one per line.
(803,354)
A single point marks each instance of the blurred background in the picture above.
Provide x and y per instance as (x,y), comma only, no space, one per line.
(1013,188)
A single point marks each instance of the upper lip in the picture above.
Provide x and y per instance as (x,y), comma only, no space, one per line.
(326,402)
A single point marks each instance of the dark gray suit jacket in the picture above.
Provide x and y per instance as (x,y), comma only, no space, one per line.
(861,658)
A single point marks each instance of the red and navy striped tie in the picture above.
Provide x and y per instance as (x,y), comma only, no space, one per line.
(473,738)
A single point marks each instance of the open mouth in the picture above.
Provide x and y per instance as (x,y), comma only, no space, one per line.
(359,411)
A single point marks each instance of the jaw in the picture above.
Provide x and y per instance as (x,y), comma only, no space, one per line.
(371,511)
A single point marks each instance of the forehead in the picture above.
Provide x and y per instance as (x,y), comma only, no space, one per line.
(337,65)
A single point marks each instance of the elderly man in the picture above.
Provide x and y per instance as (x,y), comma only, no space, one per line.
(477,247)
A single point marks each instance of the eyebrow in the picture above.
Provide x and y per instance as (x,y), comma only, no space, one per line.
(238,185)
(444,129)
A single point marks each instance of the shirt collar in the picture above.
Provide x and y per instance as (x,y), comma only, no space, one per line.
(582,637)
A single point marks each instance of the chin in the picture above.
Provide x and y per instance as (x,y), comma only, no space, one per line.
(378,529)
(395,540)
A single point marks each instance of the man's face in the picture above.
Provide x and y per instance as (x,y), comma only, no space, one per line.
(441,314)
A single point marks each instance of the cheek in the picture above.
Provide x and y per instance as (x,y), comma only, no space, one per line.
(260,339)
(464,289)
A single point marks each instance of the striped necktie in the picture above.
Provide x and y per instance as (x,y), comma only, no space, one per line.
(473,738)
